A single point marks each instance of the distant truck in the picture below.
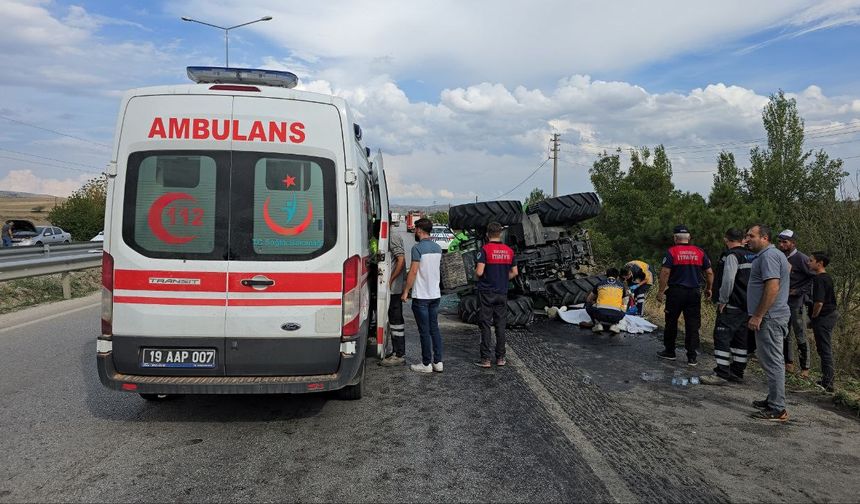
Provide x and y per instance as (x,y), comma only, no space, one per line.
(411,218)
(395,218)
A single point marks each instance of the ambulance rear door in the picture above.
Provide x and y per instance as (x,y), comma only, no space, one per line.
(287,241)
(168,239)
(383,291)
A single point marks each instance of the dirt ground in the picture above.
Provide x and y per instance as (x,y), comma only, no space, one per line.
(813,457)
(32,208)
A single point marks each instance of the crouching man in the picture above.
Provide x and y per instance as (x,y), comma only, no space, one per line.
(605,304)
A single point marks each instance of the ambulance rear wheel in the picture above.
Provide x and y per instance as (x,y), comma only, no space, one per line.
(155,397)
(353,392)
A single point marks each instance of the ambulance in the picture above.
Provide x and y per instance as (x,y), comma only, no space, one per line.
(237,252)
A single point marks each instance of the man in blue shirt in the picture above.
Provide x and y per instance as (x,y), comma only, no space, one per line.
(423,280)
(767,307)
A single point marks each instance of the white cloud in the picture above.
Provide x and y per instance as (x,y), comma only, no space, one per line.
(27,181)
(498,41)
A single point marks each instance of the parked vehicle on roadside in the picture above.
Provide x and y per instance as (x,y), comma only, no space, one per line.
(41,235)
(550,250)
(237,257)
(442,235)
(395,219)
(99,237)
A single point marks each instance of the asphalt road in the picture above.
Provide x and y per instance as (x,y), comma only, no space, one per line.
(569,420)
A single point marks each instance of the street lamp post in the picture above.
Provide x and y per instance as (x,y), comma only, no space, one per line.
(227,33)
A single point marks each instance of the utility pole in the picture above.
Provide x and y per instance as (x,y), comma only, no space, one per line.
(555,164)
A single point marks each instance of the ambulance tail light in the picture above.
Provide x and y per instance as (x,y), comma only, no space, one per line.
(351,301)
(107,294)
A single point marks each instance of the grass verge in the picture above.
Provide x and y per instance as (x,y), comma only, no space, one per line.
(27,292)
(847,386)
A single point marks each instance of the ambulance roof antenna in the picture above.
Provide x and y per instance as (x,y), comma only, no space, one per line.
(227,33)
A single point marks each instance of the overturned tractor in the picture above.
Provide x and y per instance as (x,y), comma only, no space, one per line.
(550,250)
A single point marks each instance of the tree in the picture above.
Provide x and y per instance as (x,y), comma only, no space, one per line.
(83,213)
(536,196)
(782,177)
(439,217)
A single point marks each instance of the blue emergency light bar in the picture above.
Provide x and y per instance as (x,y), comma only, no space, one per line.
(251,76)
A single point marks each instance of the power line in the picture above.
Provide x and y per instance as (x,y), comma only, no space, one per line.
(45,157)
(532,174)
(103,145)
(49,165)
(823,132)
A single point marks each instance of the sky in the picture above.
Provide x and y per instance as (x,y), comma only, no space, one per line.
(461,97)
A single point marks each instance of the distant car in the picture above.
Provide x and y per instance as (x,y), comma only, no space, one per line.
(41,235)
(442,235)
(99,237)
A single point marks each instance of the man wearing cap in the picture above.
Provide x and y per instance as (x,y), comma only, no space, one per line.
(730,295)
(799,294)
(680,281)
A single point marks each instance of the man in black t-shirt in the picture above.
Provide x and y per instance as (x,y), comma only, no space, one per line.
(824,315)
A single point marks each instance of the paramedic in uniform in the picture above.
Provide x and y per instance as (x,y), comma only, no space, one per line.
(639,278)
(680,280)
(605,304)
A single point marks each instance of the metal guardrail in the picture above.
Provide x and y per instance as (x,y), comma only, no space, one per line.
(37,251)
(49,261)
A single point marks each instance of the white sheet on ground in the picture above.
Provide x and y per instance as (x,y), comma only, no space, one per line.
(632,324)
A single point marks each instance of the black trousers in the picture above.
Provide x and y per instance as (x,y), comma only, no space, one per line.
(494,311)
(395,321)
(689,302)
(822,329)
(796,327)
(730,342)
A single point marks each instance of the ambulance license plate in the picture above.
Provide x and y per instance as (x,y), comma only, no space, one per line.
(177,358)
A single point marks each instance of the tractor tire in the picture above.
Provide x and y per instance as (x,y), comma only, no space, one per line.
(469,309)
(520,310)
(478,215)
(573,291)
(567,210)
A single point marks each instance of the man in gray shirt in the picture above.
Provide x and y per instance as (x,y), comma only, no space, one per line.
(395,308)
(767,306)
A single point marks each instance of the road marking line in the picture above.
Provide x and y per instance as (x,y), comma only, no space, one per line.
(610,479)
(49,317)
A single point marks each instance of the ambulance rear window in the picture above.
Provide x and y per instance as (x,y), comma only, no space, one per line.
(172,204)
(293,210)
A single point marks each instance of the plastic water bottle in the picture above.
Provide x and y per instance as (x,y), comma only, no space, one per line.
(694,380)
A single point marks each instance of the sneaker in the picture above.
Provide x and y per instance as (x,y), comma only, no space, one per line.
(824,387)
(736,379)
(771,415)
(484,363)
(712,380)
(692,361)
(666,355)
(614,328)
(501,362)
(392,360)
(804,373)
(761,404)
(421,368)
(598,327)
(437,367)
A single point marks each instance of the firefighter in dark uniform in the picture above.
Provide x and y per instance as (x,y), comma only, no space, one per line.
(730,296)
(680,283)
